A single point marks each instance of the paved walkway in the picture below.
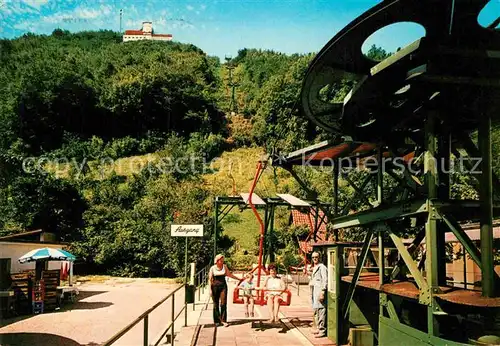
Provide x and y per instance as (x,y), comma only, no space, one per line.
(294,327)
(101,311)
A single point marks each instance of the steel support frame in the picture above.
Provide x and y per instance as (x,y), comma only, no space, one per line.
(229,203)
(439,212)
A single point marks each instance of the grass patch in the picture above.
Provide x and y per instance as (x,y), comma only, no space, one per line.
(92,278)
(245,231)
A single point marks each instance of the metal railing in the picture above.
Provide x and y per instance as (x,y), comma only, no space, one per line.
(201,281)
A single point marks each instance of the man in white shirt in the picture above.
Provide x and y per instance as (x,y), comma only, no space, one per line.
(319,282)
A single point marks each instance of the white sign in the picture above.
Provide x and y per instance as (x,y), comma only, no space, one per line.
(186,230)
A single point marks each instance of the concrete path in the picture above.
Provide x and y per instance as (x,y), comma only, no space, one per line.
(100,312)
(294,327)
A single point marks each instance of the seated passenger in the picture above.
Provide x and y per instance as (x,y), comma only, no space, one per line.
(274,288)
(248,288)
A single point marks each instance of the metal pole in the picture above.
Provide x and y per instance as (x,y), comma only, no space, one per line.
(316,222)
(336,170)
(146,320)
(380,177)
(186,263)
(486,197)
(298,284)
(271,231)
(216,221)
(431,238)
(430,169)
(380,197)
(172,334)
(267,253)
(185,282)
(443,194)
(465,266)
(381,257)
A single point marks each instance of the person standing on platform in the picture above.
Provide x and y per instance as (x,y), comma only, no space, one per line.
(319,284)
(218,289)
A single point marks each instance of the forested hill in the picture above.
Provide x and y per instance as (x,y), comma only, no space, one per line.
(74,105)
(74,86)
(82,99)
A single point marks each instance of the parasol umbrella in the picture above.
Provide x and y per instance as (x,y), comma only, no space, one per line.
(46,254)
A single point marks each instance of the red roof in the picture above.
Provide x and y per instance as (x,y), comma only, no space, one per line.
(133,32)
(307,219)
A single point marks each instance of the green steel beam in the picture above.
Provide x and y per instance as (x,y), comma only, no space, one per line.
(226,211)
(486,198)
(411,249)
(336,172)
(463,238)
(379,214)
(393,333)
(336,188)
(406,182)
(380,200)
(443,193)
(431,179)
(271,232)
(432,232)
(381,258)
(472,151)
(412,267)
(385,302)
(350,292)
(355,197)
(310,192)
(359,191)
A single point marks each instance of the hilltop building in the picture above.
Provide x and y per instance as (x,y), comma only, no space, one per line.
(146,33)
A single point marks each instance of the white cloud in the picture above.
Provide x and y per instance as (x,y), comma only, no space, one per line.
(35,3)
(189,7)
(203,7)
(86,13)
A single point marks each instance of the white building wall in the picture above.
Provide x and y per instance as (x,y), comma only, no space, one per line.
(156,38)
(147,27)
(133,37)
(145,37)
(14,250)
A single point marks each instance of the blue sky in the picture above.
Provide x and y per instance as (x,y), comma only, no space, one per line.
(219,27)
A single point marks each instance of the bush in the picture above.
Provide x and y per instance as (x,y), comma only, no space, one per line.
(122,147)
(240,261)
(207,146)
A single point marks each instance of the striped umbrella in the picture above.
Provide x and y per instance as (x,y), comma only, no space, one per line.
(46,254)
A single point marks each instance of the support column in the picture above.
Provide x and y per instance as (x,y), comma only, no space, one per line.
(336,170)
(272,258)
(380,197)
(431,177)
(443,193)
(315,230)
(431,231)
(216,223)
(486,197)
(266,234)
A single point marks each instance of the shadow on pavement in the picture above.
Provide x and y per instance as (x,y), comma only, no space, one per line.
(38,339)
(86,306)
(85,294)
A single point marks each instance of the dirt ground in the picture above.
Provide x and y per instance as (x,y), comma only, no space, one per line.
(102,309)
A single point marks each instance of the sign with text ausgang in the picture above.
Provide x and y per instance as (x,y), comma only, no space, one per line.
(186,230)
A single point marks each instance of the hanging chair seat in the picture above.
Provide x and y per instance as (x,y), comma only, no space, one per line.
(259,297)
